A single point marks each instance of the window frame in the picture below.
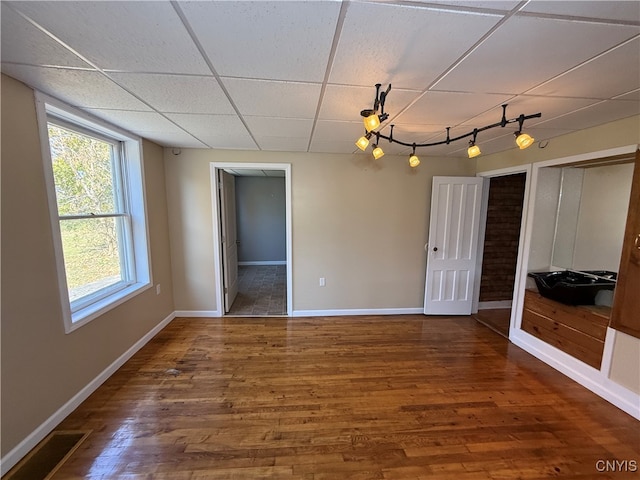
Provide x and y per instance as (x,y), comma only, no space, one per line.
(131,178)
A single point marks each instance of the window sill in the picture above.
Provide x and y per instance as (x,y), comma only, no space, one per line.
(85,315)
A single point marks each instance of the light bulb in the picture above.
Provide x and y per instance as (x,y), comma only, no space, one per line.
(473,151)
(414,161)
(362,143)
(377,152)
(371,122)
(523,140)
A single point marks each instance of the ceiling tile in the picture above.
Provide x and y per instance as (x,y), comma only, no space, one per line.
(331,147)
(281,99)
(597,114)
(279,127)
(133,120)
(173,139)
(336,136)
(450,108)
(490,4)
(128,36)
(217,131)
(594,9)
(175,93)
(525,51)
(632,95)
(80,88)
(409,45)
(329,131)
(268,40)
(588,81)
(150,125)
(24,43)
(549,107)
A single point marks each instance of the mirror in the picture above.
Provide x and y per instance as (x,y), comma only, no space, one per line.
(591,216)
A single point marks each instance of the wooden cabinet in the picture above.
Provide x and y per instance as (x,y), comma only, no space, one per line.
(625,315)
(577,330)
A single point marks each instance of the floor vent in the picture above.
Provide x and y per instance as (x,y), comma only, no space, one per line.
(45,459)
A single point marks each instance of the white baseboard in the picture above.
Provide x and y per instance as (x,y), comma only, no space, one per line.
(496,304)
(198,313)
(35,437)
(589,377)
(266,262)
(357,311)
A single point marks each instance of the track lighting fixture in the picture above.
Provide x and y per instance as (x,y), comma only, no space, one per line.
(373,119)
(414,161)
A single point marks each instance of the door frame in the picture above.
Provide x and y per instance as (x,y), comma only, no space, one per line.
(518,292)
(217,234)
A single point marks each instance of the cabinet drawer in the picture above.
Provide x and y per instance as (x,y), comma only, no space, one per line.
(576,317)
(577,344)
(576,330)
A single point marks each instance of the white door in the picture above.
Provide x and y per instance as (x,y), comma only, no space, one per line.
(229,237)
(453,245)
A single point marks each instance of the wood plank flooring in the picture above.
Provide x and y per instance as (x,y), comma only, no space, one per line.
(394,397)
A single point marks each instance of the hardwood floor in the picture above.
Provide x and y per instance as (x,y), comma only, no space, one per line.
(406,397)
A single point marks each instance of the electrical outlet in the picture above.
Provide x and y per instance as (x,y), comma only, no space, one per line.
(158,289)
(322,282)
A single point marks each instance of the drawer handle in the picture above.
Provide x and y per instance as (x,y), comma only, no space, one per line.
(637,242)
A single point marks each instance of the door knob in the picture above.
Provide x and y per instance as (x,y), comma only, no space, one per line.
(435,249)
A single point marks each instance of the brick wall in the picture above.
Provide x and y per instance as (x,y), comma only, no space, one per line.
(501,238)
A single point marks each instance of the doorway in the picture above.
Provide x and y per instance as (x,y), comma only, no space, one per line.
(504,205)
(264,286)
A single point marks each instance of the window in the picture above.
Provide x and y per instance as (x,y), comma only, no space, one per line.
(96,199)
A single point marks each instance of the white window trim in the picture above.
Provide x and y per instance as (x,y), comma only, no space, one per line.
(132,146)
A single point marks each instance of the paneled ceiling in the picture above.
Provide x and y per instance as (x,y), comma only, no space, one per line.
(294,75)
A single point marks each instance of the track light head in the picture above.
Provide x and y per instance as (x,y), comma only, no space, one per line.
(377,152)
(473,151)
(371,122)
(414,161)
(363,141)
(523,140)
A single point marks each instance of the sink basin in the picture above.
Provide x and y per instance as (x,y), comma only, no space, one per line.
(573,288)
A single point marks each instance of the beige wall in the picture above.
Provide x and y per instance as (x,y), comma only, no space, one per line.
(359,223)
(615,134)
(42,367)
(625,364)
